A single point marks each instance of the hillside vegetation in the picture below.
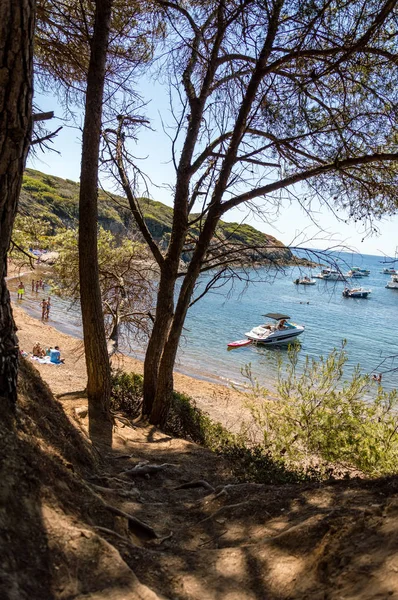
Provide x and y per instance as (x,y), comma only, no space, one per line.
(56,201)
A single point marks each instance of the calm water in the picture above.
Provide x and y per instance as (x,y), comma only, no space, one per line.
(370,326)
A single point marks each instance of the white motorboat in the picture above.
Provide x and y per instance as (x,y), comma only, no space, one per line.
(331,275)
(304,281)
(360,272)
(280,331)
(389,271)
(354,274)
(356,293)
(393,284)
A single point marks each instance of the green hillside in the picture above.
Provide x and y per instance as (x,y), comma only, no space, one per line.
(56,200)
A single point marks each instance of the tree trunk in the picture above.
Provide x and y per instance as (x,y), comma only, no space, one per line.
(95,344)
(164,388)
(17,22)
(160,331)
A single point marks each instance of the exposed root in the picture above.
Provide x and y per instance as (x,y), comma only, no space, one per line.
(125,482)
(143,470)
(160,541)
(196,484)
(133,521)
(132,494)
(120,537)
(224,508)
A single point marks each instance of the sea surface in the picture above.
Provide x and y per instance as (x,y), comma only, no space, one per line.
(369,326)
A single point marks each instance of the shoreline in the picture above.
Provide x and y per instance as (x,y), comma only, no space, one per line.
(224,404)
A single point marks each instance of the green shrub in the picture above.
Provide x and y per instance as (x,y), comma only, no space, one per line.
(319,418)
(127,393)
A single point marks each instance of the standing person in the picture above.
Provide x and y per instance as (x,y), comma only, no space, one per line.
(41,284)
(21,290)
(33,285)
(43,305)
(37,286)
(48,307)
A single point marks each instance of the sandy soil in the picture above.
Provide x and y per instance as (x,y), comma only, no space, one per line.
(79,525)
(224,404)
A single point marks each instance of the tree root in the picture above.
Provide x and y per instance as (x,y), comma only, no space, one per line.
(141,470)
(223,508)
(119,537)
(133,521)
(111,479)
(195,484)
(133,495)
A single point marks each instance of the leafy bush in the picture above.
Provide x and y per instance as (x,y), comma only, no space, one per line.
(127,393)
(318,417)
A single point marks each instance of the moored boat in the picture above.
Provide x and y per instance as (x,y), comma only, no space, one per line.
(304,281)
(330,275)
(389,271)
(393,284)
(356,293)
(281,331)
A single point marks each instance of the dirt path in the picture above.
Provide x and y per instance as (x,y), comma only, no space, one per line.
(215,540)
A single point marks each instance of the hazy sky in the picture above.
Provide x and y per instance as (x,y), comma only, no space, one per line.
(292,226)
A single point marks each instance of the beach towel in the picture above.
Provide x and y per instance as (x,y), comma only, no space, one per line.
(45,360)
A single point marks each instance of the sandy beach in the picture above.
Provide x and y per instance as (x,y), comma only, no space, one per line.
(223,404)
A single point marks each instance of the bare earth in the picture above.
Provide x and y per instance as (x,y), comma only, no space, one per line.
(68,512)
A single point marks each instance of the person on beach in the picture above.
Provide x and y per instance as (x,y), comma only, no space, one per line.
(33,285)
(48,307)
(43,305)
(21,290)
(55,356)
(37,286)
(38,350)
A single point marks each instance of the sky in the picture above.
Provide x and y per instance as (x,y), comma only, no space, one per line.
(293,226)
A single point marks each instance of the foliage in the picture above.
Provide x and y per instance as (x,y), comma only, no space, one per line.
(29,232)
(126,394)
(126,281)
(185,420)
(318,416)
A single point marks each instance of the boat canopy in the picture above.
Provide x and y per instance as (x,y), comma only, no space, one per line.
(276,316)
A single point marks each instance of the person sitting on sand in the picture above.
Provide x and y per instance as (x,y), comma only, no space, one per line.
(38,350)
(55,356)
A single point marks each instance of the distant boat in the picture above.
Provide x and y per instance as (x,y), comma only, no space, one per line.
(356,293)
(354,274)
(362,272)
(393,284)
(330,275)
(304,281)
(388,271)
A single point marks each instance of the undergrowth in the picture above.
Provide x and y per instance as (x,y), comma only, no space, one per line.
(249,462)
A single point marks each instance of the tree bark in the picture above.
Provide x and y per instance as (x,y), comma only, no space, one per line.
(95,344)
(165,380)
(17,23)
(161,327)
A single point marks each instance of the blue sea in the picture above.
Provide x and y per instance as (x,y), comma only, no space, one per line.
(369,326)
